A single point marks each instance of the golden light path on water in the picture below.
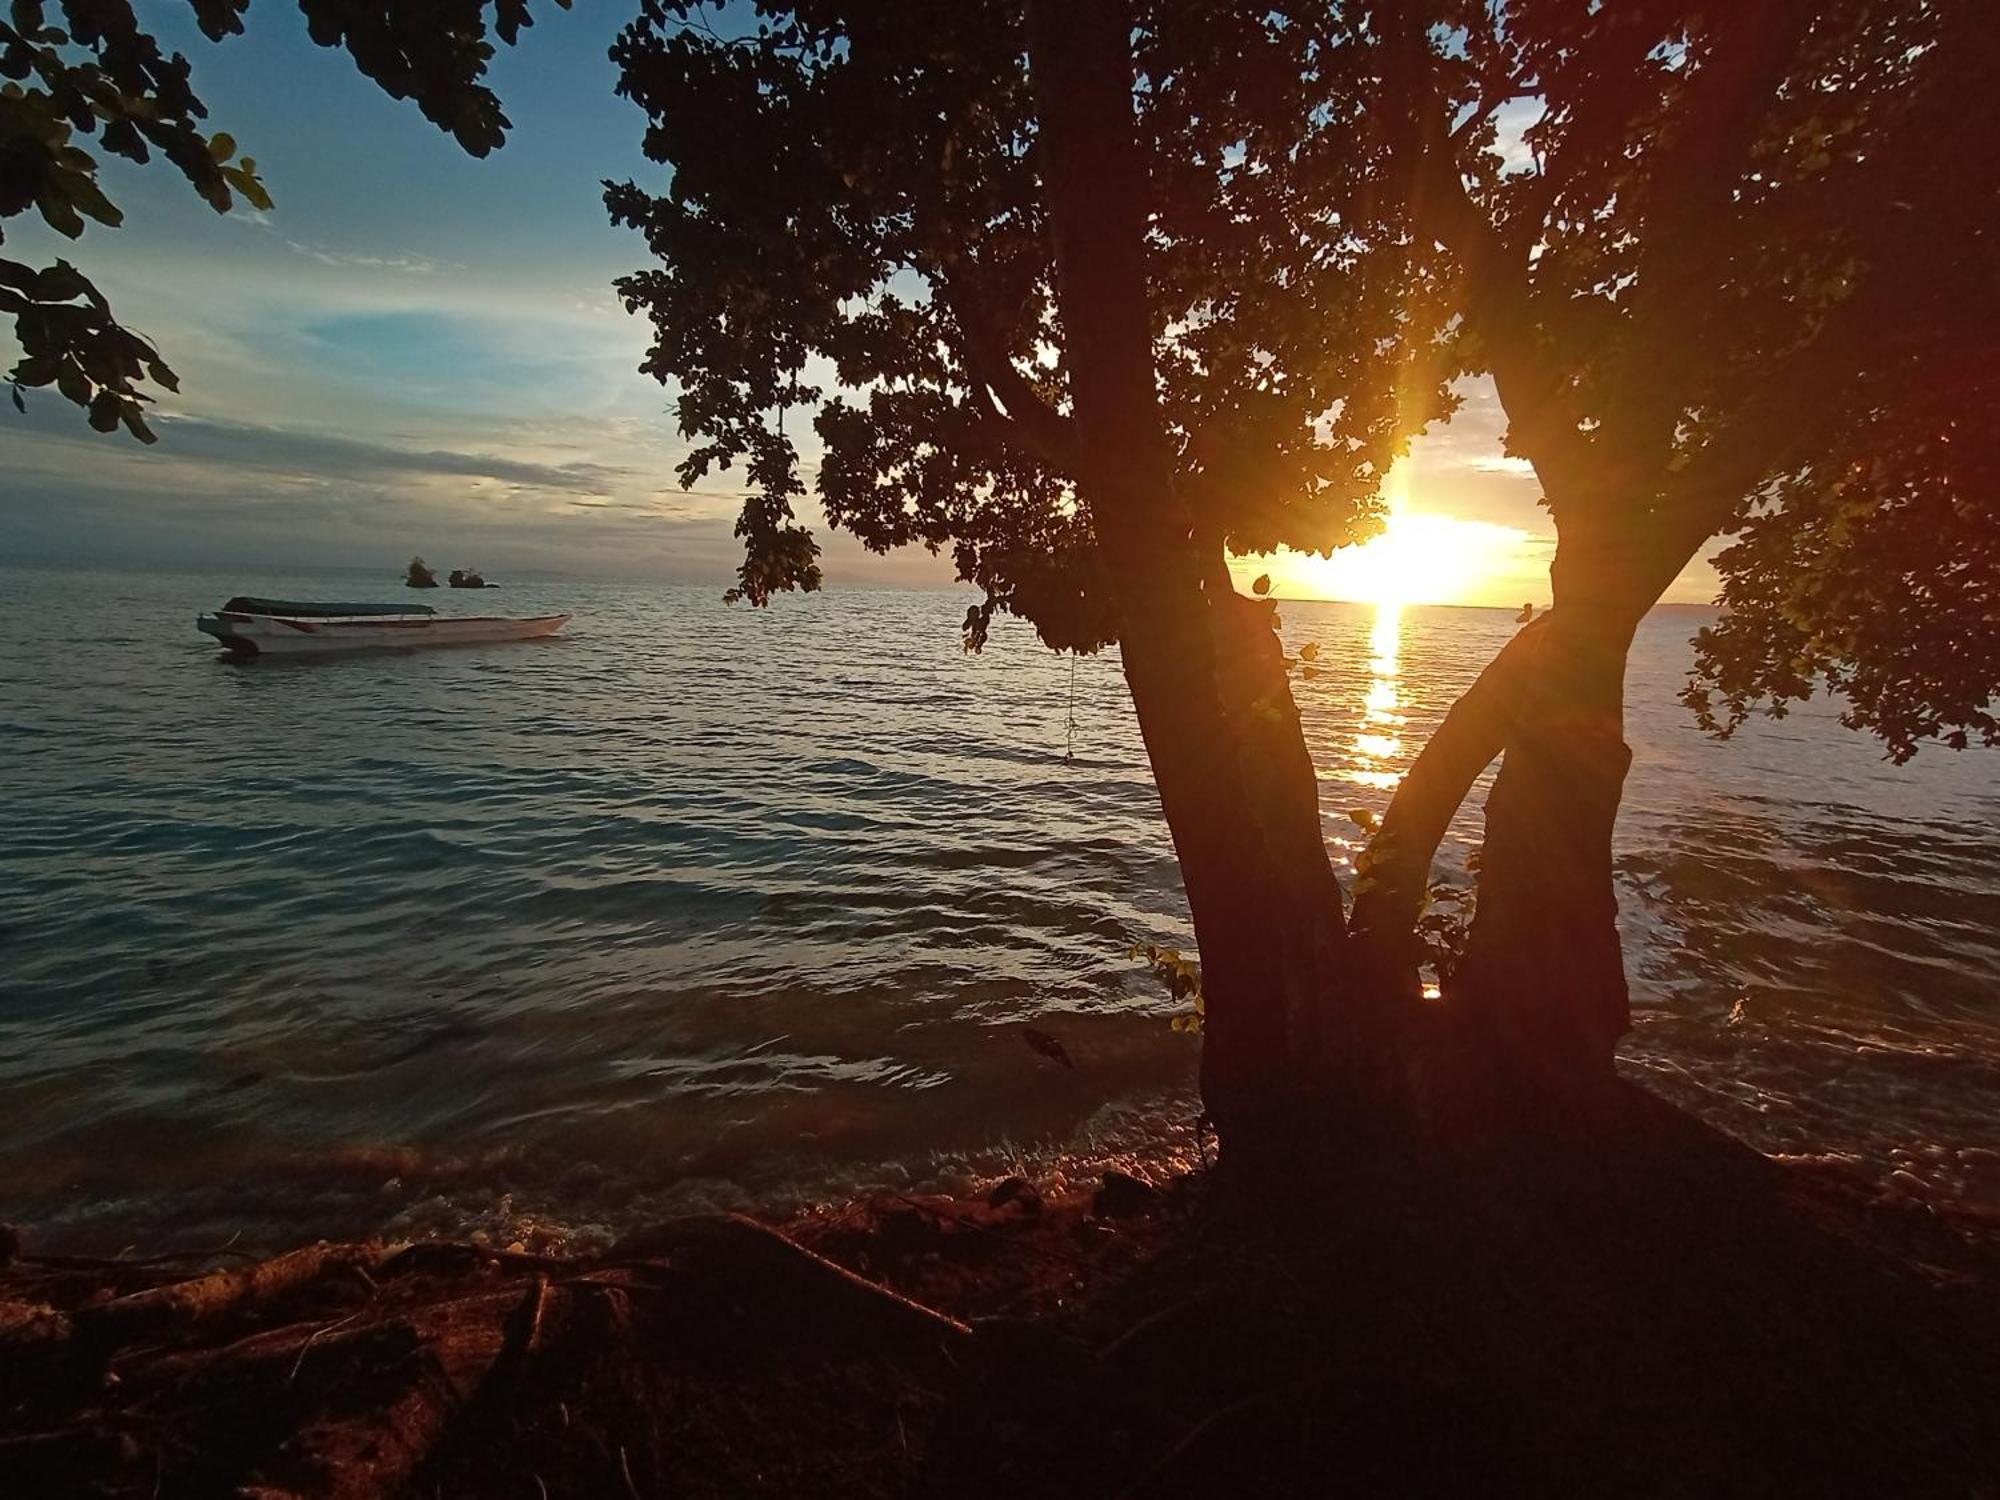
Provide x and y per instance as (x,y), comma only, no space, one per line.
(1380,739)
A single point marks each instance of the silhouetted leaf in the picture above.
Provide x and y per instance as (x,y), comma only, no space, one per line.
(104,73)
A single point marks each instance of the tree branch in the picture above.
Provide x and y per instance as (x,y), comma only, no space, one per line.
(1684,203)
(1389,898)
(1498,294)
(1011,405)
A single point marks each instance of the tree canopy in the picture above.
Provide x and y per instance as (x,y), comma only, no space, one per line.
(1722,284)
(86,71)
(855,230)
(1739,280)
(1870,565)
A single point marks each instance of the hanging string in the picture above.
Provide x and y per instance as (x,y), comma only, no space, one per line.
(1069,738)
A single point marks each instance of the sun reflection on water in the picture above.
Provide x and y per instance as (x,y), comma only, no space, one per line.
(1379,740)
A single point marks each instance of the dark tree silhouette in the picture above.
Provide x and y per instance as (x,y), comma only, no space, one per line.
(1093,296)
(1871,564)
(84,70)
(1743,282)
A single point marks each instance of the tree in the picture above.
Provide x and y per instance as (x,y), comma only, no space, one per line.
(1873,565)
(1094,295)
(94,73)
(1117,290)
(1743,285)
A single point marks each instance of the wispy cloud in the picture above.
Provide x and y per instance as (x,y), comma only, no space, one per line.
(1502,463)
(328,457)
(405,262)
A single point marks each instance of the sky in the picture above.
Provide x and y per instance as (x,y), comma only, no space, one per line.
(419,352)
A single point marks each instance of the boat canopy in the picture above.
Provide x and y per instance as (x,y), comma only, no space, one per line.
(291,609)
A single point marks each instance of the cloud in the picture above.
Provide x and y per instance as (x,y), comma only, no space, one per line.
(1511,123)
(256,499)
(1503,463)
(328,457)
(406,262)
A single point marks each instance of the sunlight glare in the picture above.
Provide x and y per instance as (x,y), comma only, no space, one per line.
(1385,640)
(1420,558)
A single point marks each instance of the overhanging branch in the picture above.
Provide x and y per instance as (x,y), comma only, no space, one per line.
(1011,405)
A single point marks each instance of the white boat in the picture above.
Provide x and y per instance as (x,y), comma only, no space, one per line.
(285,627)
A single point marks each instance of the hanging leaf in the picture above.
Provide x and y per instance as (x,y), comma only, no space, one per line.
(1262,586)
(1309,652)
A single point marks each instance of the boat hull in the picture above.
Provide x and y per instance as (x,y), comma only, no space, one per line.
(276,635)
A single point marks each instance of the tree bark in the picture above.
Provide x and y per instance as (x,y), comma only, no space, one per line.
(1390,897)
(1542,983)
(1203,663)
(1539,999)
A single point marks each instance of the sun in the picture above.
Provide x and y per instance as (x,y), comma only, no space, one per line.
(1421,557)
(1418,559)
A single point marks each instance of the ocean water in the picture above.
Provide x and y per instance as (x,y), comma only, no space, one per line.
(698,906)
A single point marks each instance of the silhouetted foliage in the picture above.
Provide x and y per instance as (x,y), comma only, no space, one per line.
(1882,583)
(1872,566)
(1728,274)
(856,231)
(84,70)
(1743,275)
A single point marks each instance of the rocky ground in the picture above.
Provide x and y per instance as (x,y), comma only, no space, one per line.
(1666,1314)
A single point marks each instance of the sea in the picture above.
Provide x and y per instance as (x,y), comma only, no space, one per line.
(701,907)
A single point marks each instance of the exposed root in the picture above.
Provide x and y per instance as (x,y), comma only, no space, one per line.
(1676,1327)
(183,1302)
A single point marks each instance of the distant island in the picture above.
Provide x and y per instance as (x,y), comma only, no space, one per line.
(420,575)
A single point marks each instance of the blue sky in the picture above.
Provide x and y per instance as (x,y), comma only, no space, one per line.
(416,351)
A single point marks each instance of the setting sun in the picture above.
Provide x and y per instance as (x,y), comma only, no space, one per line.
(1421,557)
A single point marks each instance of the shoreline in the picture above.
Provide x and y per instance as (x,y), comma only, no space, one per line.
(1685,1317)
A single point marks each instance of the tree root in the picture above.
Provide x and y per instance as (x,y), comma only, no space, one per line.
(305,1377)
(184,1302)
(741,1274)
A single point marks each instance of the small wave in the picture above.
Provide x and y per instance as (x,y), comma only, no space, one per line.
(509,935)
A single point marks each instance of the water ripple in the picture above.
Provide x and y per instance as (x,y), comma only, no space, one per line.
(699,906)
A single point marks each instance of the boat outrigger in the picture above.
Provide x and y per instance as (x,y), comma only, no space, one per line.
(254,627)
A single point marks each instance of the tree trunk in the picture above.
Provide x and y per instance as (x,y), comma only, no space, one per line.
(1542,983)
(1390,896)
(1204,665)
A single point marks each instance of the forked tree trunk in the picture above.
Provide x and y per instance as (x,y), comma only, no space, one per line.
(1542,982)
(1204,666)
(1390,897)
(1539,999)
